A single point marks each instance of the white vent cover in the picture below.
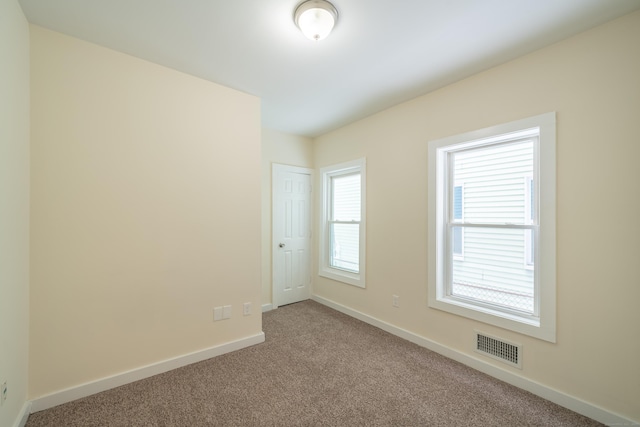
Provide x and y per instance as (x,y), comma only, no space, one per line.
(499,349)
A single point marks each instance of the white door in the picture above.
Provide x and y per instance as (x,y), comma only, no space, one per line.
(291,234)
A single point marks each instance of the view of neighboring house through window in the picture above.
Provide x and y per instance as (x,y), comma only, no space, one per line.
(487,223)
(529,207)
(344,223)
(457,236)
(492,270)
(342,240)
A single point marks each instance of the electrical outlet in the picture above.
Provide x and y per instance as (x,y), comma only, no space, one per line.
(246,308)
(217,314)
(3,392)
(226,312)
(396,301)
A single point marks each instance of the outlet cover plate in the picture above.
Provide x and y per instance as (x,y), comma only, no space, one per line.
(396,301)
(226,312)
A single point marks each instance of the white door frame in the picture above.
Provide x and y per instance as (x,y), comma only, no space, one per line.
(275,169)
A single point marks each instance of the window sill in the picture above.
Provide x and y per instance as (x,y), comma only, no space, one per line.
(527,326)
(343,276)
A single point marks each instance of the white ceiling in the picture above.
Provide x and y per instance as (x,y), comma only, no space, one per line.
(381,52)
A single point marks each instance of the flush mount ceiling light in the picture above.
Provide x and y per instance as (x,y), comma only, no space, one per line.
(315,18)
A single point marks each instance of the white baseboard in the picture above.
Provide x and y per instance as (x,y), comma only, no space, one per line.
(267,307)
(23,416)
(570,402)
(103,384)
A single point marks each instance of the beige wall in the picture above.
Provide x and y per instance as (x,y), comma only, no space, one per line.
(286,149)
(14,207)
(145,212)
(592,81)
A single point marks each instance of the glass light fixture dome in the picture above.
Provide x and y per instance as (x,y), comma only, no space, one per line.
(315,18)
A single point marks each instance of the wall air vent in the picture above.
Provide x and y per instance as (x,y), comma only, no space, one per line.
(499,349)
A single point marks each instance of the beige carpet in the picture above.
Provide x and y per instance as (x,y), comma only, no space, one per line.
(317,367)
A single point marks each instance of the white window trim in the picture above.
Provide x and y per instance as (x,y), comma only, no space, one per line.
(325,269)
(544,325)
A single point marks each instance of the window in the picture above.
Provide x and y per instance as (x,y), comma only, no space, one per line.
(457,232)
(528,220)
(492,225)
(342,246)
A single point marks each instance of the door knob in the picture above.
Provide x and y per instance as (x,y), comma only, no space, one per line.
(281,245)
